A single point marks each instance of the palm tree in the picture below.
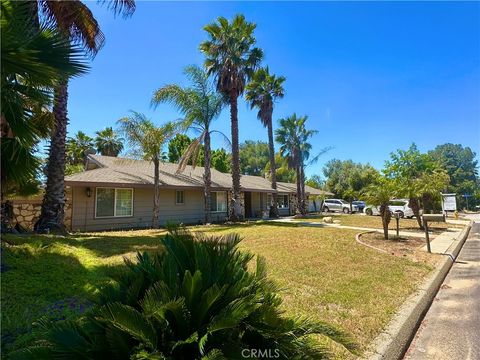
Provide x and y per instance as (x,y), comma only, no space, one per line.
(108,143)
(147,141)
(293,138)
(76,22)
(379,194)
(78,147)
(262,91)
(200,105)
(232,58)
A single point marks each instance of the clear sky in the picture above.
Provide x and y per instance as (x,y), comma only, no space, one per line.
(372,77)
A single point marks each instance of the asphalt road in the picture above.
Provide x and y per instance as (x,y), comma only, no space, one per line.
(451,328)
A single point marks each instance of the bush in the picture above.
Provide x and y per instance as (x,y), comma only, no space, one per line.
(194,300)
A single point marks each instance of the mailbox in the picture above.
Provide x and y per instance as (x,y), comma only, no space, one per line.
(434,217)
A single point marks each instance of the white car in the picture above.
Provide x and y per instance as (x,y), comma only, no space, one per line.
(398,206)
(338,205)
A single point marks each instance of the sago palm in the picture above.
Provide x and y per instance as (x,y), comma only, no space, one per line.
(147,141)
(232,58)
(77,24)
(78,147)
(379,194)
(262,91)
(195,299)
(200,105)
(293,136)
(108,143)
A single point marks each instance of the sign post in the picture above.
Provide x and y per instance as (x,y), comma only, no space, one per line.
(431,217)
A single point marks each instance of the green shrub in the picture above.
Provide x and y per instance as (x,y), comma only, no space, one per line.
(194,300)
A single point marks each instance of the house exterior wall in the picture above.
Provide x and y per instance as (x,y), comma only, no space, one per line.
(191,212)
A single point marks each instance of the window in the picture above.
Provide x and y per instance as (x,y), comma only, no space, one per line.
(218,201)
(179,197)
(283,202)
(111,202)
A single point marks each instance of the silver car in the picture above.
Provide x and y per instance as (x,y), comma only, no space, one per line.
(330,205)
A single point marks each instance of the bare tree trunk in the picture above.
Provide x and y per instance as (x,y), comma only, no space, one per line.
(207,178)
(52,214)
(156,196)
(235,208)
(273,173)
(302,186)
(299,189)
(413,204)
(386,216)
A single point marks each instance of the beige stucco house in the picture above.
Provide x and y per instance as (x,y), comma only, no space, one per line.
(117,193)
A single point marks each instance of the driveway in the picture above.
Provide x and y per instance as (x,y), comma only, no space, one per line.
(451,328)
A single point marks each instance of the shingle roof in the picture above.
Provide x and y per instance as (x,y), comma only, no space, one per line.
(125,172)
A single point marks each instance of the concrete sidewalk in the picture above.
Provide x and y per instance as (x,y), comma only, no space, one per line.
(451,328)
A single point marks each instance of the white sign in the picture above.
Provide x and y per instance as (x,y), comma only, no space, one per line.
(449,202)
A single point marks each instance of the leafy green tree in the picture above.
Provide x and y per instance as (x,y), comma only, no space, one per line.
(262,92)
(108,142)
(461,166)
(232,58)
(412,173)
(293,136)
(78,147)
(196,299)
(200,105)
(77,24)
(254,156)
(221,160)
(33,60)
(316,182)
(379,194)
(146,141)
(282,171)
(177,147)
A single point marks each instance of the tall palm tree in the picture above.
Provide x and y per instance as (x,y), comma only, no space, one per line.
(293,137)
(77,23)
(78,147)
(108,143)
(232,58)
(200,105)
(262,91)
(146,141)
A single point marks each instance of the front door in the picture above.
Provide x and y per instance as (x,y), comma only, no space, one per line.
(248,204)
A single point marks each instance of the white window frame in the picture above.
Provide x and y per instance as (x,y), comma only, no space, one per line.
(216,202)
(288,202)
(183,197)
(114,203)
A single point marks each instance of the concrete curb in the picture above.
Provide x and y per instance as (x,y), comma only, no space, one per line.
(393,342)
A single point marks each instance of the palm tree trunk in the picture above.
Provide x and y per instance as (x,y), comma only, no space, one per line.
(299,189)
(386,216)
(413,204)
(52,214)
(302,187)
(273,173)
(156,192)
(235,208)
(207,178)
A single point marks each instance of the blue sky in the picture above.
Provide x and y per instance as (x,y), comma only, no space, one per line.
(372,77)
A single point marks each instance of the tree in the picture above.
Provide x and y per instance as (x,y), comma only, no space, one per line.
(282,172)
(221,160)
(461,166)
(262,92)
(108,143)
(411,170)
(177,147)
(33,60)
(195,299)
(77,24)
(78,147)
(293,137)
(146,141)
(232,58)
(316,182)
(379,194)
(254,157)
(200,105)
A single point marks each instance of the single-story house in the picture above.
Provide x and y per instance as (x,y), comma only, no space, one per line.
(117,193)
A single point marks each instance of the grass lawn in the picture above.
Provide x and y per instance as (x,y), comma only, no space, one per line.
(325,274)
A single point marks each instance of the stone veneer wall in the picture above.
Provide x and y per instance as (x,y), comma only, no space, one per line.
(242,202)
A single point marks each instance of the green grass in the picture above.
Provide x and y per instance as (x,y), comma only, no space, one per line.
(324,274)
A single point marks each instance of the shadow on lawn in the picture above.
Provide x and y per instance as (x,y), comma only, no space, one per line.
(41,282)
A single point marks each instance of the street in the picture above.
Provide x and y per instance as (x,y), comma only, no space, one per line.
(451,328)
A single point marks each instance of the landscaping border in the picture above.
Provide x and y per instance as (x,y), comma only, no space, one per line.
(394,341)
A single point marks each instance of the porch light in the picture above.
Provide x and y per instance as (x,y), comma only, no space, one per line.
(88,191)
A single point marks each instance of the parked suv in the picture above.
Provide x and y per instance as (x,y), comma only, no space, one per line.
(398,206)
(360,204)
(338,205)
